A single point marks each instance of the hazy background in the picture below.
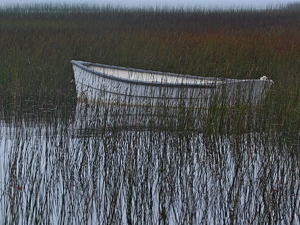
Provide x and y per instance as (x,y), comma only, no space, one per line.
(160,3)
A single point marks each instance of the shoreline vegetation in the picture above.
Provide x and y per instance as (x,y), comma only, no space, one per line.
(39,41)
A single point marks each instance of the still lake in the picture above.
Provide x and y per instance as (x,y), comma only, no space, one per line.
(74,168)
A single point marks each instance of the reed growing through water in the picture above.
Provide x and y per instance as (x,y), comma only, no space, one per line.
(64,163)
(70,170)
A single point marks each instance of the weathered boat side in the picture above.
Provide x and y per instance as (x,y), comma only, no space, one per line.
(98,82)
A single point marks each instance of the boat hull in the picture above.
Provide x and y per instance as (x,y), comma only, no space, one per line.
(94,85)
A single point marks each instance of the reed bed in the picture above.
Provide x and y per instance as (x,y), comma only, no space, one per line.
(64,162)
(61,172)
(38,43)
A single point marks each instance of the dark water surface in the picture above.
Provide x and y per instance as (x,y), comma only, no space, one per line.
(76,169)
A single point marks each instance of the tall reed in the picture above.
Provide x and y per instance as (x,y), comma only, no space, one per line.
(39,41)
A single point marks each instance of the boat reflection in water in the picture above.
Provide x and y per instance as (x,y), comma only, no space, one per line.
(65,172)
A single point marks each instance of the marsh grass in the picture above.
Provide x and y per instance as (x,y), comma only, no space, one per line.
(60,171)
(38,42)
(63,163)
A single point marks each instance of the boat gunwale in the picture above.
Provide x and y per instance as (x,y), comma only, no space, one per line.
(84,66)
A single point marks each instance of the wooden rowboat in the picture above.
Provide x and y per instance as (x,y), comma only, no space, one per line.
(114,84)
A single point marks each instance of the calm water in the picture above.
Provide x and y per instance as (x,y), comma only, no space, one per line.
(76,169)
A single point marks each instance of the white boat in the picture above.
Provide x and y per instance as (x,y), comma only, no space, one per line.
(114,84)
